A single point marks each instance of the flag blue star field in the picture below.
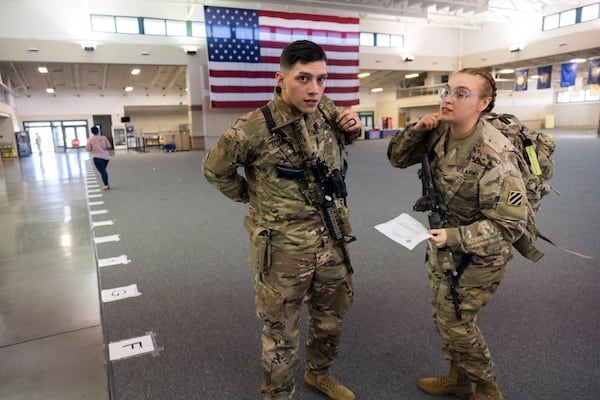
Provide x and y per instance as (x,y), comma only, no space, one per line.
(244,48)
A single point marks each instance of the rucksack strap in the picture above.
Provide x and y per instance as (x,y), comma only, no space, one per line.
(268,117)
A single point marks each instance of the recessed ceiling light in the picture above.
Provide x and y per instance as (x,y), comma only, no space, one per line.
(50,90)
(506,71)
(579,60)
(129,88)
(409,76)
(364,74)
(377,89)
(43,70)
(135,71)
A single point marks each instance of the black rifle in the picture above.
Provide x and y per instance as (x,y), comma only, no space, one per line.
(328,186)
(437,220)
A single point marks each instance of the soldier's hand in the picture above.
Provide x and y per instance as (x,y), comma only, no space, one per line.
(348,121)
(427,122)
(438,238)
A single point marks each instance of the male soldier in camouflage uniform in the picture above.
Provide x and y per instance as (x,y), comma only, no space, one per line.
(292,251)
(482,197)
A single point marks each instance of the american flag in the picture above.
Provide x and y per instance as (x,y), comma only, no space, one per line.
(244,48)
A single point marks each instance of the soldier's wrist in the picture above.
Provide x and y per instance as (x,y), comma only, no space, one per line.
(453,238)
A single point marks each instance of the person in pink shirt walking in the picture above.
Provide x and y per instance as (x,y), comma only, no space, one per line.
(99,146)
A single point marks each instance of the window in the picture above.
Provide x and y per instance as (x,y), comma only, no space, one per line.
(164,27)
(590,12)
(127,25)
(371,39)
(551,22)
(567,18)
(577,96)
(176,28)
(242,32)
(198,29)
(382,40)
(397,41)
(574,16)
(155,27)
(367,39)
(103,23)
(220,32)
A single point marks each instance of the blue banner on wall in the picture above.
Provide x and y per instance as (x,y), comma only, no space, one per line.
(545,77)
(594,72)
(521,80)
(568,73)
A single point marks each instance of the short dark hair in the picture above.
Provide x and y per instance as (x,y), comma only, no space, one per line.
(303,51)
(95,130)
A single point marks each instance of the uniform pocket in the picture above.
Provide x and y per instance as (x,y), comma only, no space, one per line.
(260,247)
(269,302)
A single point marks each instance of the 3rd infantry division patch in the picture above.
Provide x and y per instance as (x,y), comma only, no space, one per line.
(515,198)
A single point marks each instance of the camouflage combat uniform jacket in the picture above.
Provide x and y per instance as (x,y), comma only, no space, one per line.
(277,204)
(480,189)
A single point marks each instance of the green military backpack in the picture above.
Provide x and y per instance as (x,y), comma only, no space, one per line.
(537,167)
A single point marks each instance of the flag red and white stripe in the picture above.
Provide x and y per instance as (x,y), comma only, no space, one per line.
(248,80)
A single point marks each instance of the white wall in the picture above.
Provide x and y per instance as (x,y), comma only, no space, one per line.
(577,115)
(480,50)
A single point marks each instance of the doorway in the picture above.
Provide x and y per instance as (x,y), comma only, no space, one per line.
(104,123)
(402,120)
(57,136)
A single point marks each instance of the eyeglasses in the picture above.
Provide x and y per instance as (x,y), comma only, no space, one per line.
(458,94)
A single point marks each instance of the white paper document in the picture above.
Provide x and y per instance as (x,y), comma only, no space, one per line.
(405,230)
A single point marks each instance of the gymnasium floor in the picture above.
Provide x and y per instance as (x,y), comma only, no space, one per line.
(186,328)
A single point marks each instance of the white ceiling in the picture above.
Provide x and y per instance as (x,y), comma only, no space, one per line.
(85,79)
(96,79)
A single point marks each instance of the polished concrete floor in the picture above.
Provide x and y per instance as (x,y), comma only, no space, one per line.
(51,342)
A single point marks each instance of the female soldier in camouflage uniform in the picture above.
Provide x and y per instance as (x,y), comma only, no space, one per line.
(292,251)
(482,199)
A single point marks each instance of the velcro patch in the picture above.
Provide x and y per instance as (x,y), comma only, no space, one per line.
(515,198)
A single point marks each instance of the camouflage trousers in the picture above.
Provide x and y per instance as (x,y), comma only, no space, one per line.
(462,340)
(321,281)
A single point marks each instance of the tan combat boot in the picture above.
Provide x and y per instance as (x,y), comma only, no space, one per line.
(487,391)
(328,385)
(455,383)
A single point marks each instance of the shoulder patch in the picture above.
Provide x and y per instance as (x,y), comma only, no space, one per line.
(515,198)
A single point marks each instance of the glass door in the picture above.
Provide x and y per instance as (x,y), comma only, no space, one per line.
(65,134)
(57,136)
